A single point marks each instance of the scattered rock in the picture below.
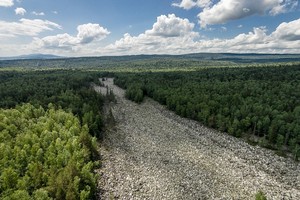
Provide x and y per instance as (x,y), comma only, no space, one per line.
(155,154)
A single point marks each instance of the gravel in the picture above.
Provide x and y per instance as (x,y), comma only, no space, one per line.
(154,154)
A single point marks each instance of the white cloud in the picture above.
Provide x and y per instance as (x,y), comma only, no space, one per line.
(55,12)
(169,34)
(87,33)
(246,10)
(188,4)
(224,28)
(26,27)
(285,39)
(284,6)
(259,35)
(227,10)
(6,3)
(147,44)
(38,13)
(288,31)
(20,11)
(170,26)
(62,41)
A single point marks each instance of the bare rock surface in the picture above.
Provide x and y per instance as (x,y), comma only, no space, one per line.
(154,154)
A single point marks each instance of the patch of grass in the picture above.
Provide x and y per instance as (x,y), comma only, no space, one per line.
(260,196)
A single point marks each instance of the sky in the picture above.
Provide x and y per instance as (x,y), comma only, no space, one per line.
(131,27)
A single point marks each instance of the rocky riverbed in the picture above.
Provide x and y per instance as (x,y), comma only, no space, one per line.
(154,154)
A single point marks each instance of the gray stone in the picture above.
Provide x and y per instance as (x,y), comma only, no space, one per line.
(155,154)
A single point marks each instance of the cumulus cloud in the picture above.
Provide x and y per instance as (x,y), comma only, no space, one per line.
(87,33)
(171,26)
(188,4)
(26,27)
(20,11)
(62,41)
(285,39)
(147,44)
(256,41)
(259,35)
(227,10)
(168,34)
(6,3)
(38,13)
(288,31)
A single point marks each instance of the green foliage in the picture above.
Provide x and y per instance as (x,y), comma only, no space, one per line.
(45,154)
(134,93)
(260,196)
(259,103)
(70,90)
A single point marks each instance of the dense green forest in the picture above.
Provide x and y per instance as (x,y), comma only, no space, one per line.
(261,104)
(47,144)
(68,89)
(45,154)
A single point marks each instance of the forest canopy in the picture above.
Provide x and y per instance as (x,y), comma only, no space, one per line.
(44,155)
(47,144)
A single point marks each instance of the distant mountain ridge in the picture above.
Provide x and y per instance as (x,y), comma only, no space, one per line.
(31,56)
(231,57)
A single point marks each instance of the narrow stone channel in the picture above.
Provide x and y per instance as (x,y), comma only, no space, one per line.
(154,154)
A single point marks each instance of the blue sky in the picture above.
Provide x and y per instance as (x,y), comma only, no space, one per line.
(122,27)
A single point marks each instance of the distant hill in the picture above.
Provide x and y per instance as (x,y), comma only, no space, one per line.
(244,57)
(142,60)
(230,57)
(31,56)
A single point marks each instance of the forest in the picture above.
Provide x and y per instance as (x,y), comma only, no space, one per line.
(260,104)
(45,154)
(49,123)
(51,119)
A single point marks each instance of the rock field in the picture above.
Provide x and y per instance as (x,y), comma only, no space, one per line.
(154,154)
